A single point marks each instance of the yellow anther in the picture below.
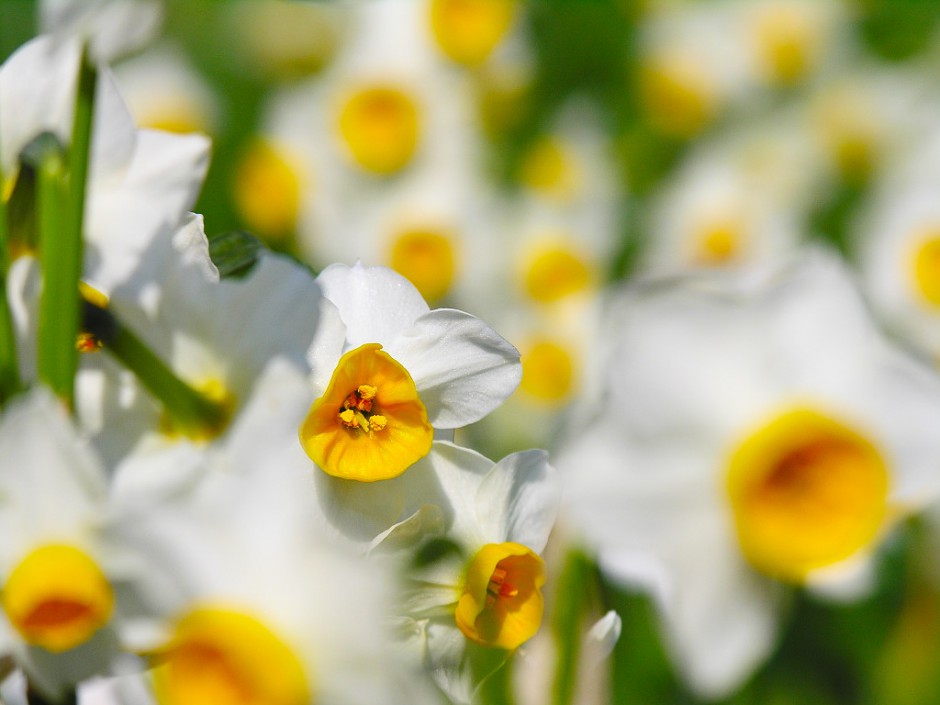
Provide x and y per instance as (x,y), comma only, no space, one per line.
(348,417)
(377,423)
(367,391)
(87,343)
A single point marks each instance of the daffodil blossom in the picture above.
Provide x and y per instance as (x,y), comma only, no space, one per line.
(57,565)
(741,436)
(237,594)
(217,336)
(487,591)
(388,371)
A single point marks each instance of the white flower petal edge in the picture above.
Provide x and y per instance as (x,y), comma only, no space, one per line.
(374,303)
(461,367)
(113,28)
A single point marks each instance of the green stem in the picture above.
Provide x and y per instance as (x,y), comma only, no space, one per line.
(192,413)
(62,210)
(58,308)
(570,606)
(9,368)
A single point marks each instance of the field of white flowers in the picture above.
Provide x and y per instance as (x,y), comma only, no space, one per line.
(469,352)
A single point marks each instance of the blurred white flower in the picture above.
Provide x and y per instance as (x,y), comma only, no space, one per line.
(57,565)
(741,434)
(112,28)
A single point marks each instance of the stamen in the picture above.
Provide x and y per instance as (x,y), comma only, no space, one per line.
(87,343)
(357,411)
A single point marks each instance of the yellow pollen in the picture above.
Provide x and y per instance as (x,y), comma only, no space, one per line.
(87,343)
(501,602)
(225,657)
(468,30)
(807,492)
(372,436)
(380,127)
(57,598)
(427,258)
(553,272)
(926,268)
(267,190)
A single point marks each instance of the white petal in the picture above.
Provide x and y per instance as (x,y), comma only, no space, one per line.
(518,499)
(605,633)
(461,367)
(375,303)
(113,28)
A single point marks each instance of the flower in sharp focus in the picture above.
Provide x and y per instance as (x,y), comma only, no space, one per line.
(741,437)
(388,372)
(487,592)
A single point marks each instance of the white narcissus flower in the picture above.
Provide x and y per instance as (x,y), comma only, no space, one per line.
(741,436)
(57,565)
(236,593)
(141,183)
(487,591)
(216,336)
(112,28)
(388,371)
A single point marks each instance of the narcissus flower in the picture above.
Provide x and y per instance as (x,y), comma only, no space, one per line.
(487,592)
(742,437)
(388,371)
(56,563)
(241,600)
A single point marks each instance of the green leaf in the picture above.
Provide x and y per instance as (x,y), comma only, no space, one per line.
(235,253)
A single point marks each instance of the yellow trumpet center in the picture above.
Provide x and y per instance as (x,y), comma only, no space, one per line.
(677,95)
(380,127)
(370,423)
(267,190)
(788,42)
(57,597)
(548,371)
(427,259)
(468,30)
(549,169)
(926,269)
(552,272)
(501,602)
(807,492)
(225,657)
(718,242)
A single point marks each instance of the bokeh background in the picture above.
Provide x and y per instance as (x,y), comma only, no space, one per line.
(598,142)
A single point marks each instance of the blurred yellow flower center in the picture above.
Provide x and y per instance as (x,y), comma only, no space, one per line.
(468,30)
(851,131)
(677,94)
(173,114)
(225,657)
(267,190)
(554,271)
(380,127)
(215,391)
(788,42)
(57,598)
(369,424)
(501,604)
(426,258)
(926,266)
(548,371)
(807,492)
(718,242)
(549,169)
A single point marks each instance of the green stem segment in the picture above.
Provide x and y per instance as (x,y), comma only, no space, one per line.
(192,413)
(574,592)
(9,367)
(62,210)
